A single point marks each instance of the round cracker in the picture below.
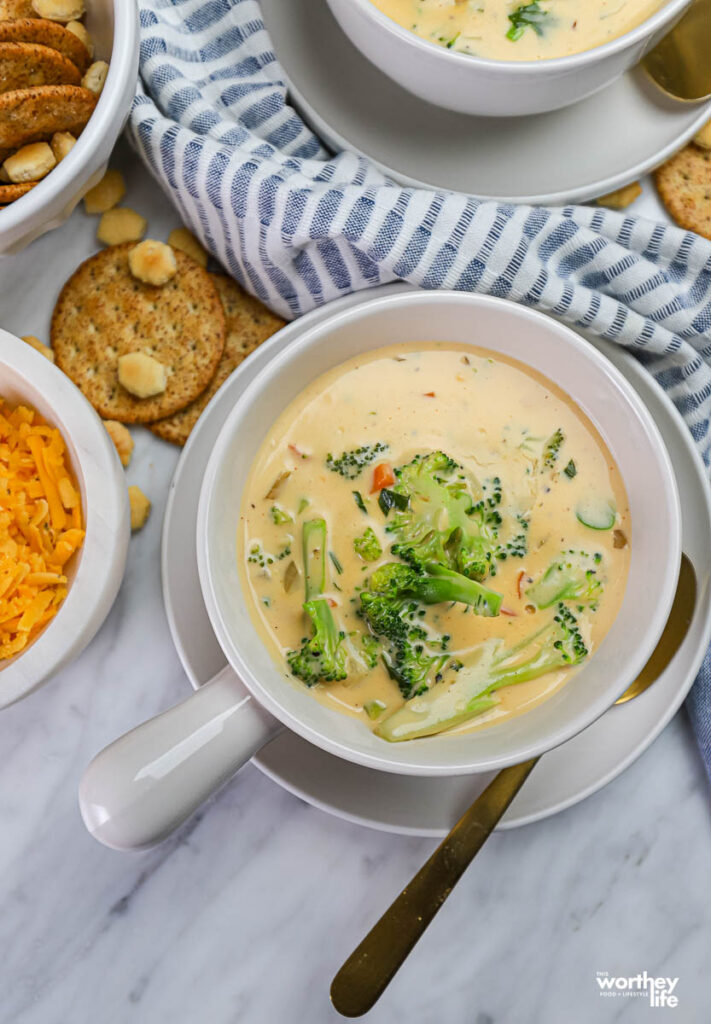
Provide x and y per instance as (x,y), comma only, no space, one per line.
(103,312)
(9,193)
(30,115)
(46,33)
(12,9)
(248,324)
(684,184)
(23,65)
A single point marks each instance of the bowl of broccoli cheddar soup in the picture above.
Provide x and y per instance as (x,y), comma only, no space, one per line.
(422,569)
(505,58)
(439,534)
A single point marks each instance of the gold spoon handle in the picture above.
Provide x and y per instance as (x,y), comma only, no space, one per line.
(372,966)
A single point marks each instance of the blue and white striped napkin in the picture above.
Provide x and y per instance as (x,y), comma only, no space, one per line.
(299,227)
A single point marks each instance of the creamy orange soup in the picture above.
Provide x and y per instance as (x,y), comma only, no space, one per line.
(524,453)
(500,30)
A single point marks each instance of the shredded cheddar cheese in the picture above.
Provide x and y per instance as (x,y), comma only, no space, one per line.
(40,525)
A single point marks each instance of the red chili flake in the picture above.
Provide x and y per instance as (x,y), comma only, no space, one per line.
(332,603)
(429,394)
(518,582)
(508,611)
(299,454)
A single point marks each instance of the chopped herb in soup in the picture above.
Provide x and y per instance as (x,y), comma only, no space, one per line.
(503,30)
(430,539)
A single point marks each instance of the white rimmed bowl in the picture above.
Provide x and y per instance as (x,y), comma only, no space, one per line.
(113,26)
(475,85)
(139,788)
(96,571)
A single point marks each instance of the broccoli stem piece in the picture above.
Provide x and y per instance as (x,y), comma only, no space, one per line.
(435,585)
(445,585)
(323,655)
(314,550)
(472,690)
(573,576)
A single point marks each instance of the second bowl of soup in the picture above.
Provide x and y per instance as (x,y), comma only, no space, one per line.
(505,59)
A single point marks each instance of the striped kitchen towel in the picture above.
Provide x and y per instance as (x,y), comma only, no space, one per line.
(299,226)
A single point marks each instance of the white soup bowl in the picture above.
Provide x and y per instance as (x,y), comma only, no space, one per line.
(144,784)
(497,88)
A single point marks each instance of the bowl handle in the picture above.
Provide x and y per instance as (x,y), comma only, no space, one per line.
(142,786)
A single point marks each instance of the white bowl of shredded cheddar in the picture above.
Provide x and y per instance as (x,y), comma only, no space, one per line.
(64,522)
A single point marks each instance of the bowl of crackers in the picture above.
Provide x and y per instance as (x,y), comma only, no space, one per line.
(68,71)
(64,520)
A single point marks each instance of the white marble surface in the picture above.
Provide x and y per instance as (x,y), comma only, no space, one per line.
(246,915)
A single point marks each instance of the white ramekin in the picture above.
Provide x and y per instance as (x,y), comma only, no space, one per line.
(97,570)
(474,85)
(138,789)
(113,26)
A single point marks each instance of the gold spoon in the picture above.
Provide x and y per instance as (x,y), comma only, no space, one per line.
(680,63)
(368,971)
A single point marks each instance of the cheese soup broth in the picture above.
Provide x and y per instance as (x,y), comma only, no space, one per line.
(490,415)
(499,30)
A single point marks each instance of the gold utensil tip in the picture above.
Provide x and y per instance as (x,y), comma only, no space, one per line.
(674,632)
(371,967)
(680,63)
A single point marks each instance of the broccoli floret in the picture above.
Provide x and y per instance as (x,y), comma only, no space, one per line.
(551,449)
(435,586)
(368,546)
(351,464)
(516,546)
(413,657)
(391,607)
(323,655)
(573,576)
(329,653)
(472,690)
(443,523)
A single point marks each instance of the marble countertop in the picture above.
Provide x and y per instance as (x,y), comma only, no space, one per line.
(246,914)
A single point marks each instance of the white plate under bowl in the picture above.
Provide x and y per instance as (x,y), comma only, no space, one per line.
(565,156)
(430,806)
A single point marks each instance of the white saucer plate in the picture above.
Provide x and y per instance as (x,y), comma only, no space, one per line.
(430,806)
(565,156)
